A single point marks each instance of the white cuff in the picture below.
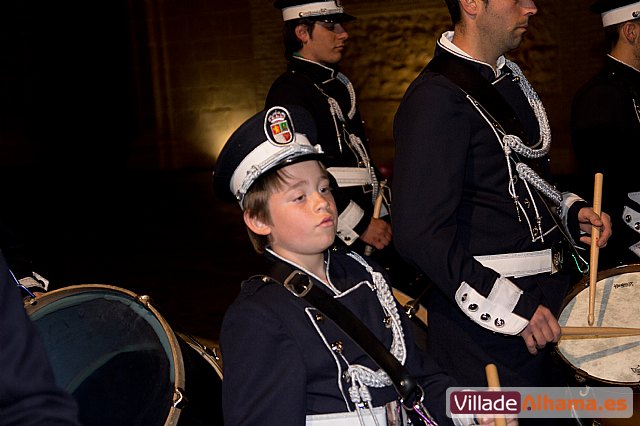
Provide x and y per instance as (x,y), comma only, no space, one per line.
(348,220)
(494,313)
(568,199)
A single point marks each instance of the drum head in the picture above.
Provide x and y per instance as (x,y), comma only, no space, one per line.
(613,360)
(113,353)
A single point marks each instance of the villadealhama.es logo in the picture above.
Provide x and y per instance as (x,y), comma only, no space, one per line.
(543,402)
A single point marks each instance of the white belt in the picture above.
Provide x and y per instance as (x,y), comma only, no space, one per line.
(349,419)
(519,264)
(350,176)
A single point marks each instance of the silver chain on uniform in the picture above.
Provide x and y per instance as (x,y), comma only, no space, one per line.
(354,141)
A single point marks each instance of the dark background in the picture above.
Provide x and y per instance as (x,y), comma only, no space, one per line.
(112,112)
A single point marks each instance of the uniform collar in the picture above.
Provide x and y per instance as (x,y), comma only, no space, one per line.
(315,70)
(622,67)
(447,44)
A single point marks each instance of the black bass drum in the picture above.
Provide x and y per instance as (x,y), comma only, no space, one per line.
(122,362)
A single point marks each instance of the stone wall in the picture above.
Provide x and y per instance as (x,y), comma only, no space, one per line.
(196,69)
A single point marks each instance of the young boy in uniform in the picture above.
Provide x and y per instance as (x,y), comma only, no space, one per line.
(285,362)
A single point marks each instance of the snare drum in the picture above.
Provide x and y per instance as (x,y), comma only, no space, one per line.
(122,362)
(605,361)
(614,360)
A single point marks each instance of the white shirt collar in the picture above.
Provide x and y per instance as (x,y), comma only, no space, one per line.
(447,43)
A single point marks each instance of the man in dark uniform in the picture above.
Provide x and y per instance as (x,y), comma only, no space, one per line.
(314,39)
(28,392)
(606,113)
(469,133)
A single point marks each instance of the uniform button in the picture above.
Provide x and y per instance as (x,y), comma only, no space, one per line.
(637,226)
(627,218)
(473,307)
(464,297)
(338,232)
(319,317)
(387,321)
(347,238)
(499,322)
(485,317)
(337,346)
(527,203)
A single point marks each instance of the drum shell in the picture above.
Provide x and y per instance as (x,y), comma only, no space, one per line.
(122,362)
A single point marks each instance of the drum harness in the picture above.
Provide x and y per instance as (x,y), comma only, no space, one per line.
(501,117)
(300,285)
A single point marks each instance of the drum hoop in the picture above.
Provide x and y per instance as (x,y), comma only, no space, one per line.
(32,305)
(583,284)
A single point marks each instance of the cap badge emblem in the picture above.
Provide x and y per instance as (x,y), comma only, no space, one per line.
(278,126)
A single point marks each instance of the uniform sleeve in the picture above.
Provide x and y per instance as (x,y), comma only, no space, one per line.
(257,389)
(432,137)
(28,392)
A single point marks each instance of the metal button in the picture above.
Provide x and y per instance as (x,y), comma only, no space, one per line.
(387,321)
(637,226)
(485,317)
(464,298)
(499,322)
(473,307)
(319,317)
(337,346)
(347,238)
(627,218)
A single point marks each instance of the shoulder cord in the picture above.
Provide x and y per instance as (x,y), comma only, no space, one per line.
(354,141)
(510,143)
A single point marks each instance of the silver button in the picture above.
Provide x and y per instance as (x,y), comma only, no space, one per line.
(485,317)
(337,346)
(387,321)
(473,307)
(464,298)
(499,322)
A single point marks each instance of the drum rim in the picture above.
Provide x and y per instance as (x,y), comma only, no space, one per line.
(582,285)
(33,305)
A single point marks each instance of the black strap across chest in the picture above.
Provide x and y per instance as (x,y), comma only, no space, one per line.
(460,72)
(299,283)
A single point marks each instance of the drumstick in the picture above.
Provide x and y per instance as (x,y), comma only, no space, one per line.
(595,332)
(595,234)
(493,382)
(376,212)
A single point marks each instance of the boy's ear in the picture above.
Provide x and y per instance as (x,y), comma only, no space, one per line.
(256,225)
